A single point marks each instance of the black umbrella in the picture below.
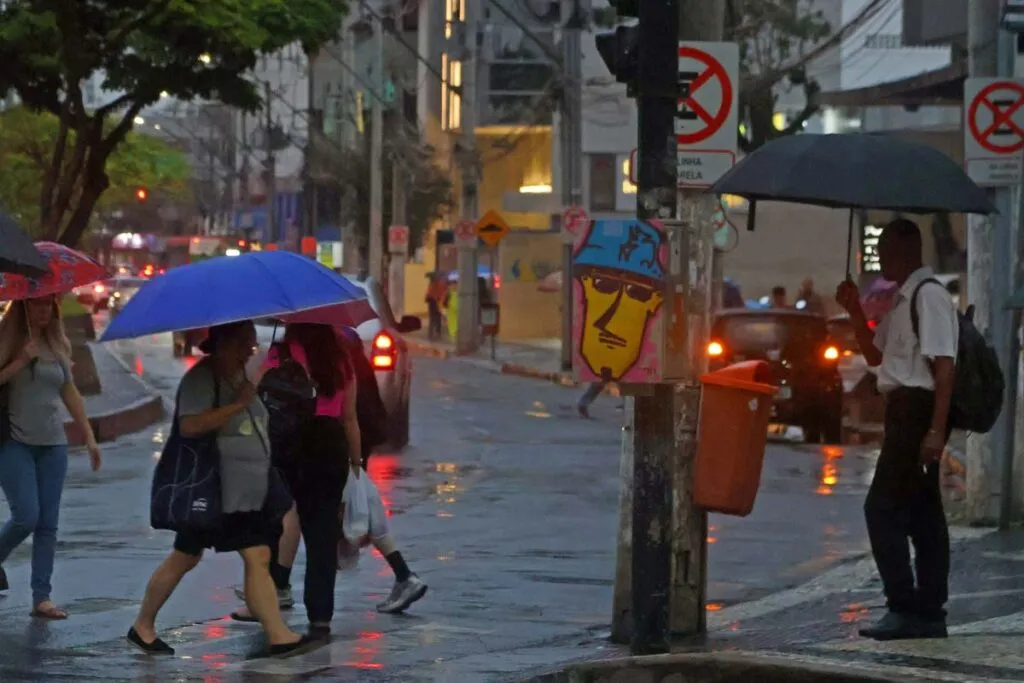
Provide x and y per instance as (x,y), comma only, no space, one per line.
(855,171)
(17,253)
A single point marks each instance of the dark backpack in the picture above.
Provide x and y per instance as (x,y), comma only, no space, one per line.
(289,395)
(979,385)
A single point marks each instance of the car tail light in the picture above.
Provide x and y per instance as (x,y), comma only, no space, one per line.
(98,289)
(872,324)
(384,352)
(831,353)
(715,349)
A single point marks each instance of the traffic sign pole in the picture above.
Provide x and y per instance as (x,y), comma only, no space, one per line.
(991,115)
(574,220)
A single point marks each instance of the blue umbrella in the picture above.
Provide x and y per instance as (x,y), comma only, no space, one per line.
(226,289)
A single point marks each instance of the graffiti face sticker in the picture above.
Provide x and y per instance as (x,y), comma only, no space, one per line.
(620,271)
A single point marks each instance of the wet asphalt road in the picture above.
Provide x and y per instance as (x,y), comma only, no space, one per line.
(505,503)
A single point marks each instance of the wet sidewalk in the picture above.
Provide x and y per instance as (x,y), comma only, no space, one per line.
(815,626)
(534,358)
(125,405)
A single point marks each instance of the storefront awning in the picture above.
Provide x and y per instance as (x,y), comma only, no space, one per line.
(942,87)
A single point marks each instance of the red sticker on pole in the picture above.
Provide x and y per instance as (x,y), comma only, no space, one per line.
(465,233)
(574,220)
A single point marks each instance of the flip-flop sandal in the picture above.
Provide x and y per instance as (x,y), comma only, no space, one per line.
(244,617)
(53,613)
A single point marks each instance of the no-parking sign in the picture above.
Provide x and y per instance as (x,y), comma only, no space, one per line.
(707,112)
(994,130)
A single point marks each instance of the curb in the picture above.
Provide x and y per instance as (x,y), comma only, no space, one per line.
(561,378)
(734,667)
(128,419)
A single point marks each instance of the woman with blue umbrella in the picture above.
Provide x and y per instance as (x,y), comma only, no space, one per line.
(216,398)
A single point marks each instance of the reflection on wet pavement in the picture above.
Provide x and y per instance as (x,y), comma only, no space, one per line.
(506,504)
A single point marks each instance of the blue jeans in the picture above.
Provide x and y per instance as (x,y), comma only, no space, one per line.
(32,479)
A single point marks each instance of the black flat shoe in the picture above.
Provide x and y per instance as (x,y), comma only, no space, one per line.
(303,645)
(3,580)
(894,626)
(157,647)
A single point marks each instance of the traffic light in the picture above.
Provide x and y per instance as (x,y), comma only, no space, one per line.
(619,52)
(142,194)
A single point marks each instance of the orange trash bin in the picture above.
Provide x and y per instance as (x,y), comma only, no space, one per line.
(735,408)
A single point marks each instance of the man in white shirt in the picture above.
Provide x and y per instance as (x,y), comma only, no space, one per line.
(916,372)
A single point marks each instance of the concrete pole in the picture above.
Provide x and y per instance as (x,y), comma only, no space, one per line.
(271,167)
(571,134)
(699,20)
(376,247)
(468,336)
(989,255)
(396,266)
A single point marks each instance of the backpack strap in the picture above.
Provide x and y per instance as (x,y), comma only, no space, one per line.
(914,321)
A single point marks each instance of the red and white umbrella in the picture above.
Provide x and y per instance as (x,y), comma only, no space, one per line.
(67,269)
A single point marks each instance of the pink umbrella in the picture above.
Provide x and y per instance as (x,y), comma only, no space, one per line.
(552,282)
(347,314)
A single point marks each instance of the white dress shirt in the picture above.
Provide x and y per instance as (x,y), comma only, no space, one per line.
(904,356)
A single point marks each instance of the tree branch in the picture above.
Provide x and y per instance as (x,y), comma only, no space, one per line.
(120,131)
(117,41)
(52,172)
(111,107)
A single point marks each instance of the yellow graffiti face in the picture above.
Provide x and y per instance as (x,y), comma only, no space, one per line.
(617,309)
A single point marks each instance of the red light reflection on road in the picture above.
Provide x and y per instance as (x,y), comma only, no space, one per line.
(366,648)
(138,366)
(383,468)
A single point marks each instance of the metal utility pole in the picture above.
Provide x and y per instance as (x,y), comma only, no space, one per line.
(667,542)
(396,265)
(699,20)
(468,297)
(271,167)
(571,134)
(989,265)
(653,433)
(376,247)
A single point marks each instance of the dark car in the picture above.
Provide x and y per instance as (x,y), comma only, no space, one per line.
(804,360)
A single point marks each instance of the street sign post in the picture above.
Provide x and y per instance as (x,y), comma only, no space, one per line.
(994,130)
(574,220)
(491,228)
(465,234)
(707,112)
(398,239)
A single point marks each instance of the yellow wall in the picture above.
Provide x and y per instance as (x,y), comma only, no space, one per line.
(511,159)
(526,312)
(416,288)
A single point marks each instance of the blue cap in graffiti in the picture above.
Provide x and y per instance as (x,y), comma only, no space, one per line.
(629,245)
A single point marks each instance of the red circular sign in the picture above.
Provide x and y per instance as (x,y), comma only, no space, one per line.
(712,122)
(574,219)
(398,234)
(465,230)
(1000,118)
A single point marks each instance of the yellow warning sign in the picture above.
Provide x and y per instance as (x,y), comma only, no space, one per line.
(491,228)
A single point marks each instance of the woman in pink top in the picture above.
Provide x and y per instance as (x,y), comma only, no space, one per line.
(316,470)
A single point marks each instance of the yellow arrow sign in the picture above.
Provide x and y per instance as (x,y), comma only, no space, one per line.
(491,228)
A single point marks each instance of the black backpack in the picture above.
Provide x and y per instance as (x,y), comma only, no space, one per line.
(289,395)
(979,386)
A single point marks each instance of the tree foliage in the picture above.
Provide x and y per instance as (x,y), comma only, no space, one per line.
(26,148)
(774,37)
(140,49)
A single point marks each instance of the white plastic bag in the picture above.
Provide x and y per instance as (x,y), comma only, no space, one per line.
(355,521)
(378,516)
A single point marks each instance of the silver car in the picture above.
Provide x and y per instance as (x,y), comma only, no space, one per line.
(122,289)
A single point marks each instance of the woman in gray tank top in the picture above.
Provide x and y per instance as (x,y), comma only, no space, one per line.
(35,375)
